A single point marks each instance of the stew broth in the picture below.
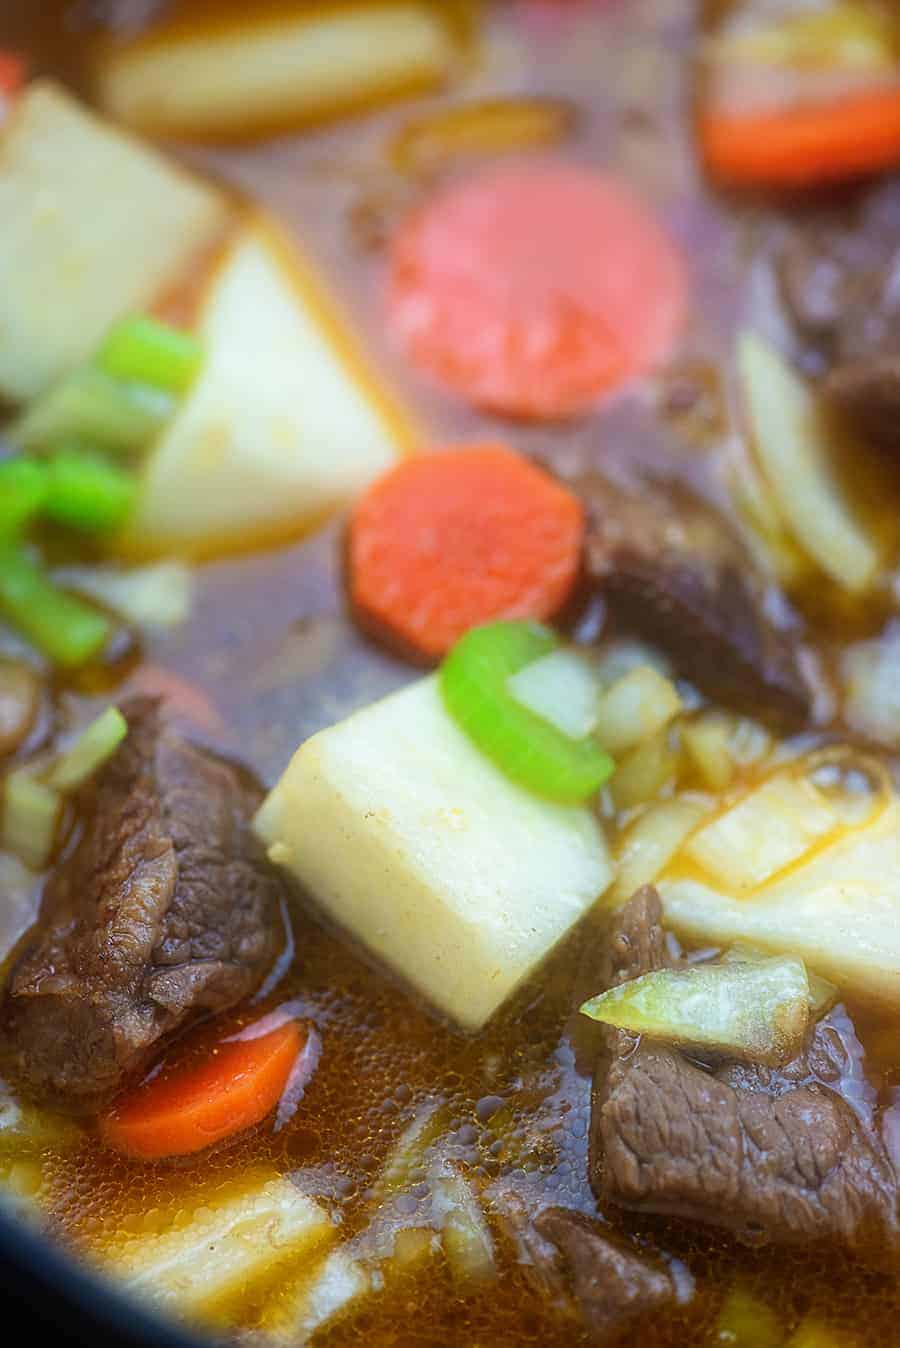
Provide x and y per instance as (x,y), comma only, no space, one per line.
(271,647)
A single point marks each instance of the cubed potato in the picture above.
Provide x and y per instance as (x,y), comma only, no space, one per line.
(264,70)
(230,1246)
(285,423)
(412,839)
(839,911)
(94,225)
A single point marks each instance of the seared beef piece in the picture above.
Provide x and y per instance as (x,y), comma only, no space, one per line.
(672,571)
(867,393)
(166,909)
(771,1156)
(841,281)
(582,1271)
(840,278)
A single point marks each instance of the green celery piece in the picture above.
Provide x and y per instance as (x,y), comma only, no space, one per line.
(87,493)
(755,1011)
(29,819)
(747,1322)
(140,350)
(524,746)
(90,407)
(68,631)
(90,751)
(23,492)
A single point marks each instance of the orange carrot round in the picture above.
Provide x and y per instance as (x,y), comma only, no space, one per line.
(189,1109)
(535,290)
(445,542)
(804,146)
(13,73)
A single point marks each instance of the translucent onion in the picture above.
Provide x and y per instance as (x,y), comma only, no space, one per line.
(488,127)
(754,1011)
(637,705)
(653,841)
(792,440)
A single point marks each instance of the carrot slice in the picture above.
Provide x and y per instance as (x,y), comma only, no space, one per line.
(445,542)
(13,73)
(532,291)
(804,146)
(189,1109)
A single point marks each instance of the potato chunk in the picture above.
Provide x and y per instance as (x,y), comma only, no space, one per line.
(284,424)
(230,1246)
(94,225)
(413,840)
(839,912)
(263,70)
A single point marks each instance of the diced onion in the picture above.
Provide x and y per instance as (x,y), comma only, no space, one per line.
(157,596)
(467,1240)
(638,705)
(489,127)
(791,437)
(31,813)
(646,772)
(755,1011)
(652,841)
(870,671)
(561,688)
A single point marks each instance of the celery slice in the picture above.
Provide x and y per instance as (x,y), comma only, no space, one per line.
(89,752)
(86,493)
(756,1011)
(31,812)
(141,351)
(526,748)
(23,491)
(94,409)
(68,631)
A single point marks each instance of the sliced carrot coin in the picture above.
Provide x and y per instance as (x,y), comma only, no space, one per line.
(532,291)
(804,146)
(445,542)
(188,1110)
(13,73)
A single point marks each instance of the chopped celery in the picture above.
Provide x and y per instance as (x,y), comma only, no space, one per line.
(756,1011)
(68,631)
(85,492)
(527,748)
(139,350)
(23,490)
(90,407)
(92,748)
(30,818)
(747,1322)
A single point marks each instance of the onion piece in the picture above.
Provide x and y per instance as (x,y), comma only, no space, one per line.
(94,746)
(646,772)
(30,819)
(792,437)
(487,127)
(636,707)
(467,1240)
(652,842)
(870,671)
(561,688)
(754,1011)
(158,596)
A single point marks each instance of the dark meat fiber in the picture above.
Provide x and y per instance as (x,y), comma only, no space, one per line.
(841,281)
(772,1157)
(166,909)
(583,1271)
(671,571)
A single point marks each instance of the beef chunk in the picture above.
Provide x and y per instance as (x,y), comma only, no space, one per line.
(867,393)
(776,1157)
(580,1269)
(672,571)
(841,280)
(167,908)
(840,277)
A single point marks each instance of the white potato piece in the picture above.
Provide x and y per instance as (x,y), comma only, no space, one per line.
(94,226)
(264,69)
(229,1246)
(414,841)
(839,911)
(792,441)
(285,423)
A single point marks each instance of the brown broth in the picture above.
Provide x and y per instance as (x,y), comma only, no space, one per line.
(272,649)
